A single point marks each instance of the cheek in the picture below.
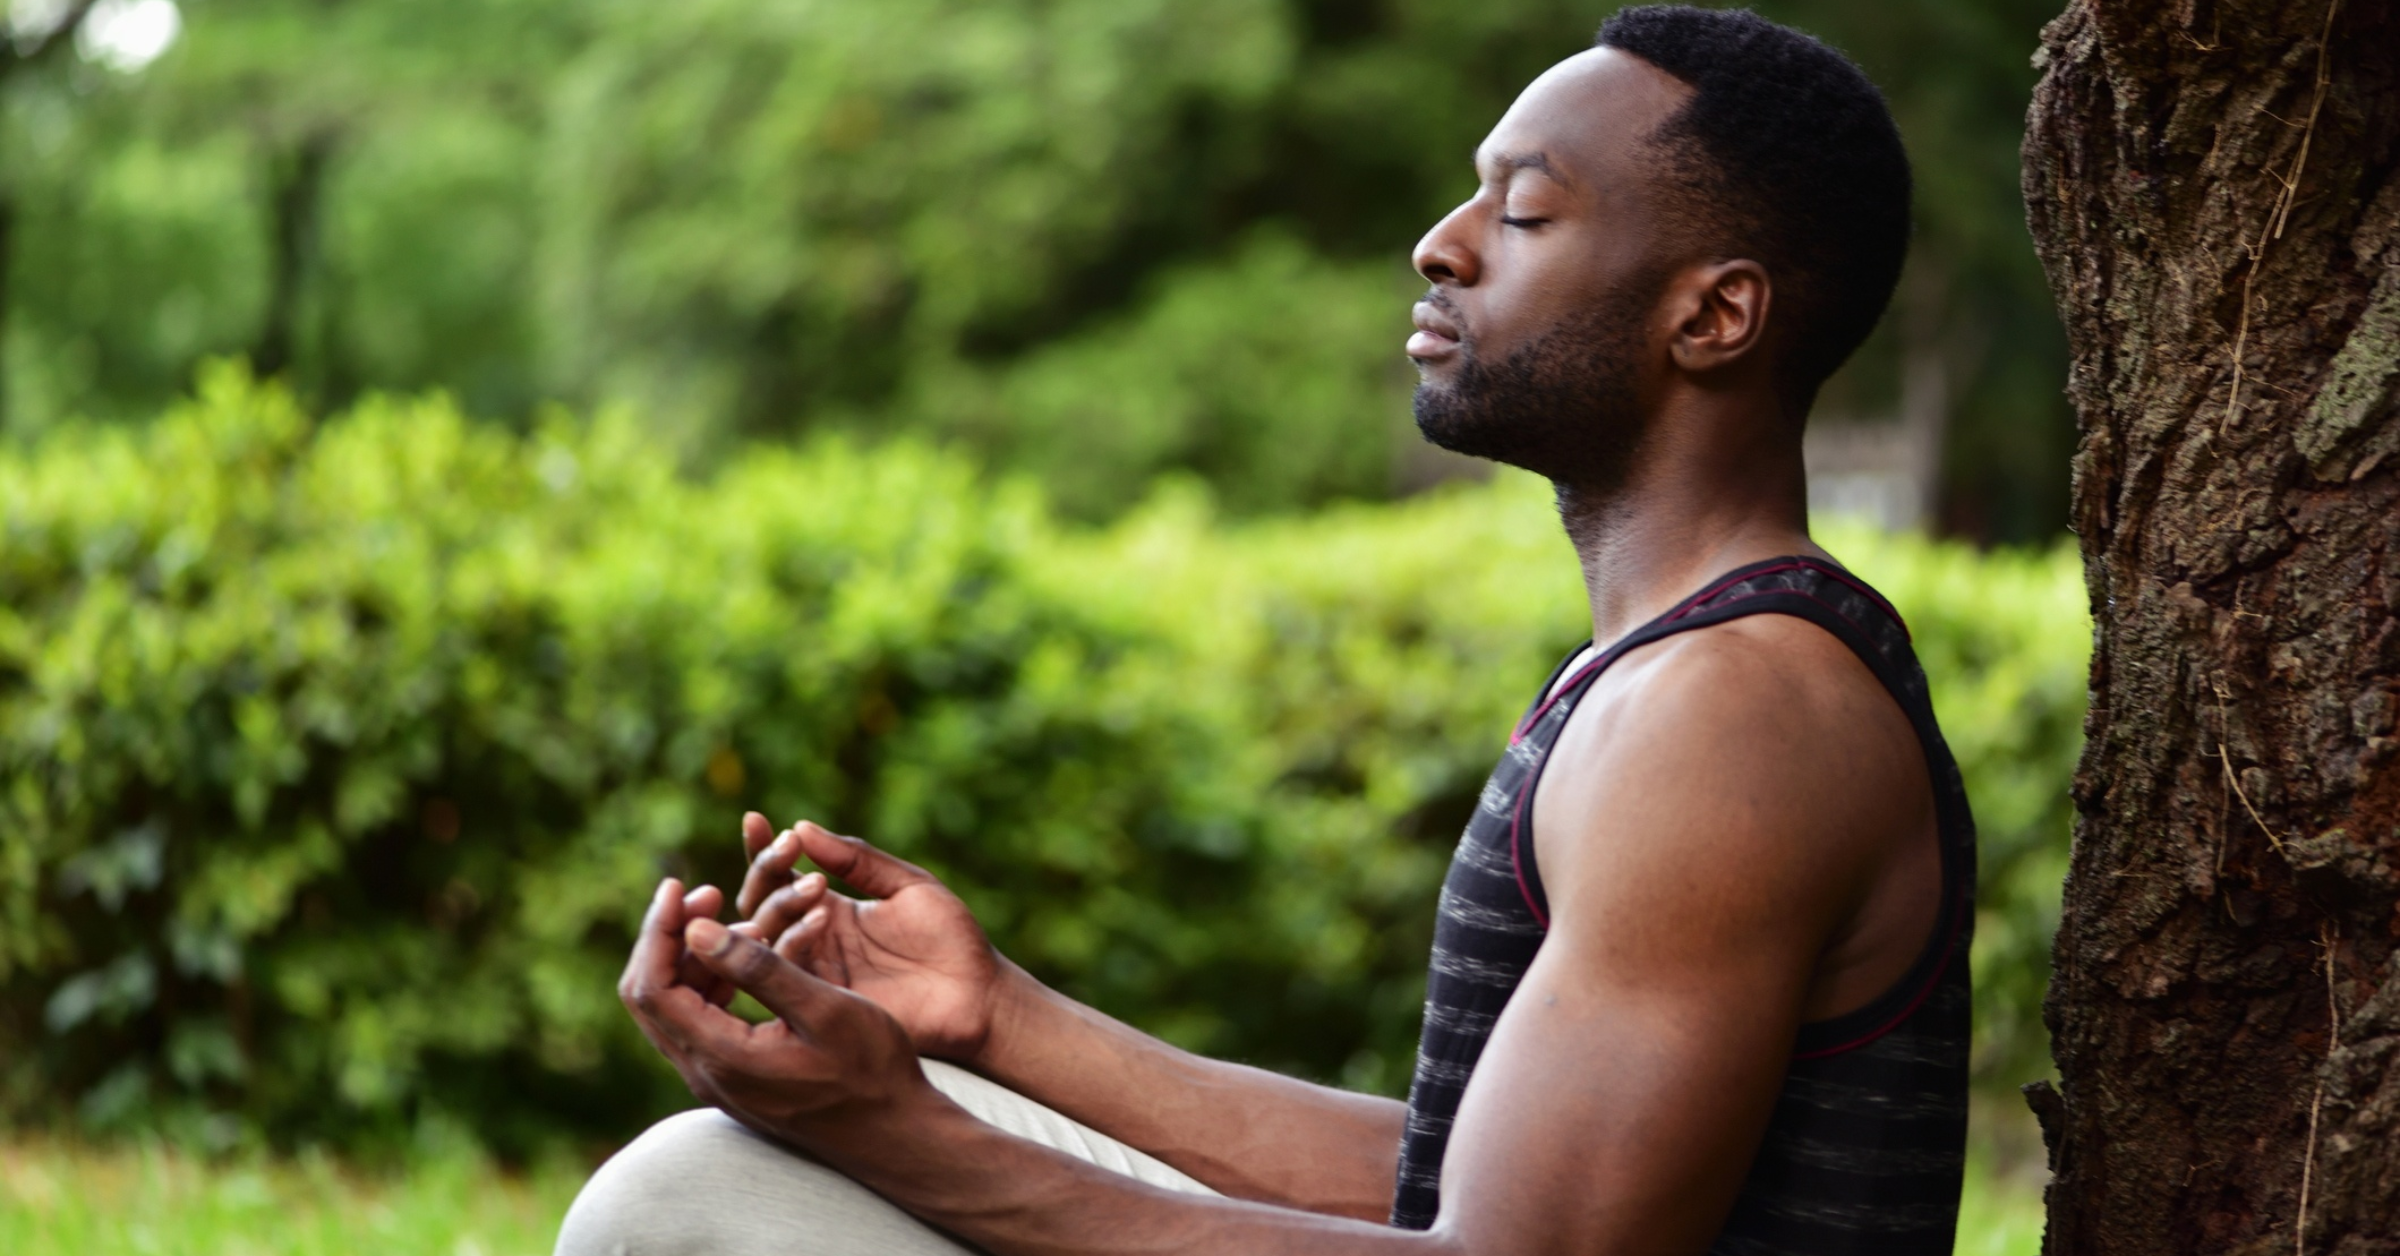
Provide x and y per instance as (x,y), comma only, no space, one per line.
(1538,283)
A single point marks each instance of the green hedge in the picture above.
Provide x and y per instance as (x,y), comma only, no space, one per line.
(336,759)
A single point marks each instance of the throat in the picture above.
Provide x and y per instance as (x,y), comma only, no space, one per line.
(1641,552)
(1594,519)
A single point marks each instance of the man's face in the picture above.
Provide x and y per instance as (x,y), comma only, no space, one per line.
(1537,342)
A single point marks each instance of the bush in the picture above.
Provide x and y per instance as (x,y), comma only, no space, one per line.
(336,761)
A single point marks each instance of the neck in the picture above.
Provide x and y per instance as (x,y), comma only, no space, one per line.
(1697,503)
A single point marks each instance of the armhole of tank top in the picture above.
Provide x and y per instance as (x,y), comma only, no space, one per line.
(1888,1010)
(1883,1013)
(1521,859)
(1520,845)
(1522,862)
(1541,699)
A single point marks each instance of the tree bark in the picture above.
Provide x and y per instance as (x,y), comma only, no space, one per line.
(2211,187)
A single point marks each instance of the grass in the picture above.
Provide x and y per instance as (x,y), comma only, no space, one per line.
(59,1199)
(152,1200)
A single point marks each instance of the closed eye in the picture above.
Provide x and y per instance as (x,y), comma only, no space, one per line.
(1507,221)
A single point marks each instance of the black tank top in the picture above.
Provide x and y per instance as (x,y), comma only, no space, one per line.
(1865,1148)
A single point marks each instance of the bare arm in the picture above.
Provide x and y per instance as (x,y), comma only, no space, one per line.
(913,947)
(1248,1132)
(1615,1110)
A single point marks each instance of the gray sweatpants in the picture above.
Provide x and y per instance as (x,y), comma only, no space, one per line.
(701,1184)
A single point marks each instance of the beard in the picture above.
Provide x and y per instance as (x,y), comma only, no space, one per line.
(1564,407)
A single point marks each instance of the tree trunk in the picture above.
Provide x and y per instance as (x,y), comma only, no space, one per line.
(21,51)
(293,204)
(8,257)
(2211,186)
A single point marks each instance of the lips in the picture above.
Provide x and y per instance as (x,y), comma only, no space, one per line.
(1437,335)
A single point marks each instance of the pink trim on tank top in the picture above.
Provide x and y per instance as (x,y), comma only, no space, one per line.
(1924,992)
(1681,609)
(1516,858)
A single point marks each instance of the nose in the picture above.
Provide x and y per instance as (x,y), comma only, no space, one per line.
(1446,254)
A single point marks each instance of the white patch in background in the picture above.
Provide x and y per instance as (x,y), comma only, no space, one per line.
(126,35)
(31,21)
(1886,471)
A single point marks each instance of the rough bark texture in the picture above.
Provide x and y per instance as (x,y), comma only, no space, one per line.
(2212,190)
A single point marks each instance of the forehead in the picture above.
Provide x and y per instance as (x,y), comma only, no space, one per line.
(1584,119)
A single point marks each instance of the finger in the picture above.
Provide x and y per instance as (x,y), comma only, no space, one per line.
(693,1029)
(756,833)
(689,971)
(798,999)
(657,946)
(650,987)
(770,870)
(809,944)
(799,943)
(703,903)
(786,906)
(870,871)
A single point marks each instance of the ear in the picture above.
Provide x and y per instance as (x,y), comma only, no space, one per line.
(1721,314)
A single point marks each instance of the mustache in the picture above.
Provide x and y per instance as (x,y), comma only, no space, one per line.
(1439,298)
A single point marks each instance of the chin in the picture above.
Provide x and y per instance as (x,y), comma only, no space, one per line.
(1444,419)
(1585,440)
(1454,422)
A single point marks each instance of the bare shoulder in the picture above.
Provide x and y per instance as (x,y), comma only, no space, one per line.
(1775,692)
(1782,658)
(1761,748)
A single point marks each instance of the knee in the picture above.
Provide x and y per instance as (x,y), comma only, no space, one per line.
(701,1184)
(663,1194)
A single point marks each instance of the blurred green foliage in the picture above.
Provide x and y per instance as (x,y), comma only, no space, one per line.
(336,760)
(1091,239)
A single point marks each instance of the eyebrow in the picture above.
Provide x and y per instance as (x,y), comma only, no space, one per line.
(1533,161)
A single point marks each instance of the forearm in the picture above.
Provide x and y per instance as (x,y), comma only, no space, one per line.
(1247,1132)
(1016,1198)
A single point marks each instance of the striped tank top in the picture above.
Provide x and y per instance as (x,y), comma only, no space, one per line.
(1866,1145)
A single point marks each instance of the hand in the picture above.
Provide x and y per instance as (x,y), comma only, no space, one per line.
(910,945)
(829,1057)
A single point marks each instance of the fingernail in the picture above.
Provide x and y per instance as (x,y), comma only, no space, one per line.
(707,937)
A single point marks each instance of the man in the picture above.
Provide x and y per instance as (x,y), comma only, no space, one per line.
(1699,976)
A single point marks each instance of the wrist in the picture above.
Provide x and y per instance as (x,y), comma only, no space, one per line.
(872,1138)
(1018,1003)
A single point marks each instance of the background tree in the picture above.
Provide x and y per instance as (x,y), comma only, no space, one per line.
(2212,190)
(1093,240)
(38,37)
(252,660)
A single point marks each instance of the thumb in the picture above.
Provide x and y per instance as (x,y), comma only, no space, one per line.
(872,872)
(782,987)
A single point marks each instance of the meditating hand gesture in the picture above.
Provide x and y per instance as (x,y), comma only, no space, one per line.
(908,943)
(828,1062)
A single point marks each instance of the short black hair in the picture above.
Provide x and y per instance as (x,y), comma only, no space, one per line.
(1792,159)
